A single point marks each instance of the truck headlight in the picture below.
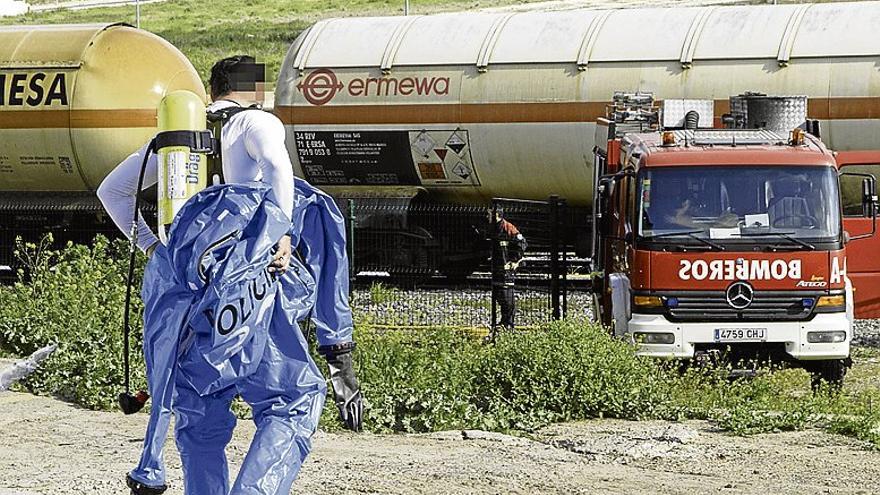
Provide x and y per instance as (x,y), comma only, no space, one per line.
(834,337)
(654,338)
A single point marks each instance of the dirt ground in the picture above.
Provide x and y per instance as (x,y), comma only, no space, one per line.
(51,447)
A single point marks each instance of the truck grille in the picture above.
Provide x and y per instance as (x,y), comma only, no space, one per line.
(766,306)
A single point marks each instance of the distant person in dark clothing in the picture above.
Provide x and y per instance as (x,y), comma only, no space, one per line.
(508,247)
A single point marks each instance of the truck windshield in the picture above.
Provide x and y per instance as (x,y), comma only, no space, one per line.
(744,203)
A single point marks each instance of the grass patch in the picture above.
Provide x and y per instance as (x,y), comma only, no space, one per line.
(434,379)
(382,294)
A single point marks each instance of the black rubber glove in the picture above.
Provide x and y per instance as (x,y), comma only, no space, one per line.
(346,390)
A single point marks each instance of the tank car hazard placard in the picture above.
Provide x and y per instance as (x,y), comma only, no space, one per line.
(429,158)
(443,158)
(366,157)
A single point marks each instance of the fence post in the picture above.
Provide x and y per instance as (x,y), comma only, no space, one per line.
(553,203)
(564,268)
(493,235)
(350,244)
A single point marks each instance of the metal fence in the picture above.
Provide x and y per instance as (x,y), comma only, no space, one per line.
(413,264)
(69,218)
(416,240)
(423,264)
(387,304)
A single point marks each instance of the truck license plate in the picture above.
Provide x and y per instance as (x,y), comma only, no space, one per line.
(740,334)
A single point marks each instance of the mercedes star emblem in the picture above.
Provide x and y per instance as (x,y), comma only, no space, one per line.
(740,295)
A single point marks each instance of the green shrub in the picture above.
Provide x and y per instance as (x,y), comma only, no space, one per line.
(443,379)
(73,297)
(419,381)
(562,372)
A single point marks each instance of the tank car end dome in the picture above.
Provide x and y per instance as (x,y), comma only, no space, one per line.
(79,99)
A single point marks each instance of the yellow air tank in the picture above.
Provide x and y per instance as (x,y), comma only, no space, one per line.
(182,171)
(76,100)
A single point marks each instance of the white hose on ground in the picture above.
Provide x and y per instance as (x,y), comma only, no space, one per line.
(24,367)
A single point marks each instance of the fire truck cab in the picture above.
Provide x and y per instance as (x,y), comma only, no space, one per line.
(724,242)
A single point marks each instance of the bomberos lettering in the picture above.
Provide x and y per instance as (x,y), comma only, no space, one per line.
(740,270)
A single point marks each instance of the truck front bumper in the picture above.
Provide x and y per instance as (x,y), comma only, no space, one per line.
(793,334)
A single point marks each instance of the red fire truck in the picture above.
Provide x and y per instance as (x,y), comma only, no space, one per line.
(730,242)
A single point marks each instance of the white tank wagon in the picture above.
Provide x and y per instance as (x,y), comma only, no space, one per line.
(473,105)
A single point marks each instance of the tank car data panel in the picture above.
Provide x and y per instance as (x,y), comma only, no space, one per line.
(436,158)
(369,158)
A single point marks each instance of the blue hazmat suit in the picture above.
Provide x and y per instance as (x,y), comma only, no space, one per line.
(217,324)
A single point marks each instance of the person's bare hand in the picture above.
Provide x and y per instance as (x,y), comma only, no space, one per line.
(282,256)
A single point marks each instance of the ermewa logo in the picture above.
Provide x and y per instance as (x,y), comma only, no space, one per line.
(322,85)
(740,269)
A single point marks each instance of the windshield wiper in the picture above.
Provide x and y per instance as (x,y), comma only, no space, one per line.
(689,233)
(785,235)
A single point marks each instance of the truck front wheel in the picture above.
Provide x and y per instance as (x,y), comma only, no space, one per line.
(831,372)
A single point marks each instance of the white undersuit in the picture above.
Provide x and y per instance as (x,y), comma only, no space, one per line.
(253,150)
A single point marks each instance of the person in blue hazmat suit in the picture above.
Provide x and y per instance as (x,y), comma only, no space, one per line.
(223,300)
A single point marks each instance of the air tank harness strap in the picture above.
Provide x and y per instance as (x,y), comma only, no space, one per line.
(222,116)
(197,141)
(216,121)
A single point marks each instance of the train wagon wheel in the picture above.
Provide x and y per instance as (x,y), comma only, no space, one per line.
(410,264)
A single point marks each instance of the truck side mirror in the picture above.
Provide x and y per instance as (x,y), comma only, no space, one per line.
(869,197)
(605,190)
(869,202)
